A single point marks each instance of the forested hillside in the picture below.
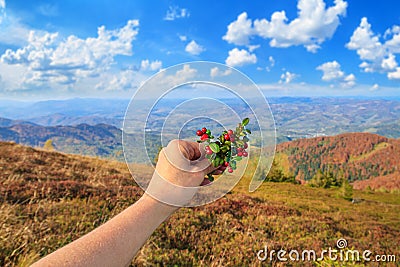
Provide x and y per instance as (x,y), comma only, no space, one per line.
(353,156)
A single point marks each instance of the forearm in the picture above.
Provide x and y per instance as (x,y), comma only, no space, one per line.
(116,242)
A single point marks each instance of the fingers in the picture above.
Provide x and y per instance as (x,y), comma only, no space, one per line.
(205,182)
(190,150)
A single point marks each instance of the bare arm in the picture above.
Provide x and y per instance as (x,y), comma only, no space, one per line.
(117,241)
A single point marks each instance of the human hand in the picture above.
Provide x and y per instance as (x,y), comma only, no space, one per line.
(180,169)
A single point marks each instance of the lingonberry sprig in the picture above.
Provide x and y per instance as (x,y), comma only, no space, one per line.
(224,151)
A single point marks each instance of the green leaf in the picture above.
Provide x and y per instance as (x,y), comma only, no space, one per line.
(245,121)
(247,130)
(214,147)
(232,163)
(245,139)
(238,158)
(215,163)
(234,150)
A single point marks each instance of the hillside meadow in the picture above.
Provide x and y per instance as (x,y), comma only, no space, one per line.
(49,199)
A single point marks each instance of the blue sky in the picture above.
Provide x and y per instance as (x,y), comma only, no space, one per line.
(61,49)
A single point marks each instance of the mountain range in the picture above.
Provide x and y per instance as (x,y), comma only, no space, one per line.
(295,117)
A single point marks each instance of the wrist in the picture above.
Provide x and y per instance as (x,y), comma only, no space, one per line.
(169,193)
(153,203)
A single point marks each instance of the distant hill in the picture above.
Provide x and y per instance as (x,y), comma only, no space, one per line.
(354,156)
(95,140)
(7,122)
(57,119)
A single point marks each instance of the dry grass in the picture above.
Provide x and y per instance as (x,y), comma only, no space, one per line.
(49,199)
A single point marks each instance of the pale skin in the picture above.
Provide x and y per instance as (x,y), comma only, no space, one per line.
(116,242)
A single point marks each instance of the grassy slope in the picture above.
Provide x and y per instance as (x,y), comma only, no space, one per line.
(49,199)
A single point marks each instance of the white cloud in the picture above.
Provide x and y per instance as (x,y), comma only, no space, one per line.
(240,57)
(271,61)
(365,42)
(214,72)
(394,75)
(175,12)
(253,47)
(239,31)
(271,64)
(183,38)
(13,32)
(315,23)
(194,48)
(332,73)
(11,76)
(374,87)
(164,78)
(153,65)
(51,59)
(2,10)
(389,63)
(349,81)
(287,77)
(48,10)
(122,81)
(376,55)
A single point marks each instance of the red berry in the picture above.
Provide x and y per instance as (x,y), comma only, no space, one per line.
(245,145)
(245,154)
(226,164)
(204,129)
(232,137)
(204,137)
(230,170)
(199,133)
(208,150)
(226,137)
(230,132)
(240,153)
(239,149)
